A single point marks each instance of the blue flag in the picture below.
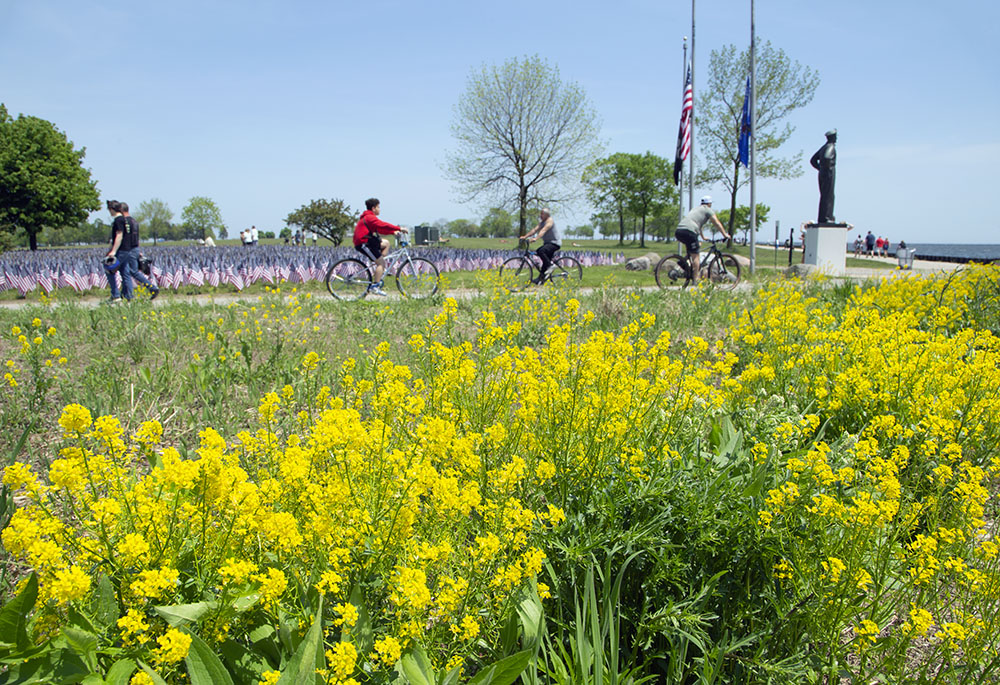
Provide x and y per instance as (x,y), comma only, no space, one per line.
(745,128)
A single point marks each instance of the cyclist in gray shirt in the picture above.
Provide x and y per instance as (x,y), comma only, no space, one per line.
(691,226)
(547,231)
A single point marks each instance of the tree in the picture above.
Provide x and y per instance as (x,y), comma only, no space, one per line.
(201,218)
(742,220)
(606,181)
(498,223)
(523,135)
(155,216)
(630,185)
(462,228)
(42,180)
(650,188)
(782,87)
(331,219)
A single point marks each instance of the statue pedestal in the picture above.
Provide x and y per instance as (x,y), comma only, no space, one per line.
(826,247)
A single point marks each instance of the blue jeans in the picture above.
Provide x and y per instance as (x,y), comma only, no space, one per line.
(130,265)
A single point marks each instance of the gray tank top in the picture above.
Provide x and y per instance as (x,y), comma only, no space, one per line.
(552,235)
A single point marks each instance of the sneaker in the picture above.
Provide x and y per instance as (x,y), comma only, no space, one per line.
(376,289)
(153,294)
(112,300)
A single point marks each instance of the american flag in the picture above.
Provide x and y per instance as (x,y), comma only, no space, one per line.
(684,132)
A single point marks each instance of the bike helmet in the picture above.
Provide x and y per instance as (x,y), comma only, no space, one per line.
(706,200)
(111,263)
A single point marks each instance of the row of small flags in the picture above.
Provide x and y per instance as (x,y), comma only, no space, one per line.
(239,267)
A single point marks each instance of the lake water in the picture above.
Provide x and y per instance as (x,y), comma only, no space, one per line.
(943,251)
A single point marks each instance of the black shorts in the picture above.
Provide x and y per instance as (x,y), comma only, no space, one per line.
(372,247)
(689,238)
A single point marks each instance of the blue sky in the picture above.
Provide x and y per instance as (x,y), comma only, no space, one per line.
(263,105)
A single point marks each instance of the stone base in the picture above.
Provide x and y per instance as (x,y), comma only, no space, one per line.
(826,247)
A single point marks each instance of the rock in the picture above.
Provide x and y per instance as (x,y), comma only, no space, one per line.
(800,270)
(643,263)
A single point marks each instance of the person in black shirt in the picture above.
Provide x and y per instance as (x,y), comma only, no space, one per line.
(125,245)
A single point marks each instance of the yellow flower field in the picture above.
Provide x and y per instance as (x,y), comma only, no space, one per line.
(610,487)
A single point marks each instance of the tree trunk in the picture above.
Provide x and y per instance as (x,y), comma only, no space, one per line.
(621,225)
(642,233)
(32,240)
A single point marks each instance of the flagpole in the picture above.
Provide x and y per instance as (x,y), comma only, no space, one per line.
(753,141)
(691,150)
(680,195)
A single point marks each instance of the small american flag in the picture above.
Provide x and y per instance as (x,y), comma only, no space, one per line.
(684,132)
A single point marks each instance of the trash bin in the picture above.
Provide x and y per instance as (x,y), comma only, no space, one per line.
(904,255)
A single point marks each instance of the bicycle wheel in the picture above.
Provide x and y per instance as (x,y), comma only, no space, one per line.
(417,278)
(566,269)
(724,271)
(672,270)
(348,279)
(516,273)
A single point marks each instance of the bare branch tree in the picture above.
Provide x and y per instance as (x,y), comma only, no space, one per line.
(524,137)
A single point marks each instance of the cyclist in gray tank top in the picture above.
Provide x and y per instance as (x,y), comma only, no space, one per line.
(546,230)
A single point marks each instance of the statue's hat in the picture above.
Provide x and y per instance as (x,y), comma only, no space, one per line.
(832,133)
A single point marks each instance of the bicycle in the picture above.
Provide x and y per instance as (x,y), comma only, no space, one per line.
(720,268)
(517,273)
(416,277)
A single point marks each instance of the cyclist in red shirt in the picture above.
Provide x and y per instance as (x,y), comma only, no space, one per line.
(368,242)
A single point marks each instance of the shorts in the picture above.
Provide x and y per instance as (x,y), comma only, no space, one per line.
(689,238)
(372,247)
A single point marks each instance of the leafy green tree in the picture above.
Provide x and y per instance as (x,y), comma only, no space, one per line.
(524,137)
(631,185)
(650,187)
(155,216)
(43,183)
(201,218)
(498,223)
(741,222)
(585,231)
(606,183)
(462,228)
(331,219)
(782,87)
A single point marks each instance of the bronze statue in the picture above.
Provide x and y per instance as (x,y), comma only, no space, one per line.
(825,161)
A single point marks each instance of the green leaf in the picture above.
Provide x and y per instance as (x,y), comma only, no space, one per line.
(244,665)
(83,643)
(181,614)
(244,602)
(14,615)
(104,607)
(503,672)
(417,667)
(120,673)
(301,670)
(157,680)
(204,665)
(362,634)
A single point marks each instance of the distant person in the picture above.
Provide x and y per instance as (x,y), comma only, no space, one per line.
(368,240)
(314,237)
(869,244)
(125,252)
(885,246)
(858,246)
(209,242)
(254,235)
(137,273)
(691,226)
(547,231)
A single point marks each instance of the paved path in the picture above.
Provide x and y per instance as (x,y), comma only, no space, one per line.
(225,298)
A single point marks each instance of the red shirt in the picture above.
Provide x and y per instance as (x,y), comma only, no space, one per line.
(368,223)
